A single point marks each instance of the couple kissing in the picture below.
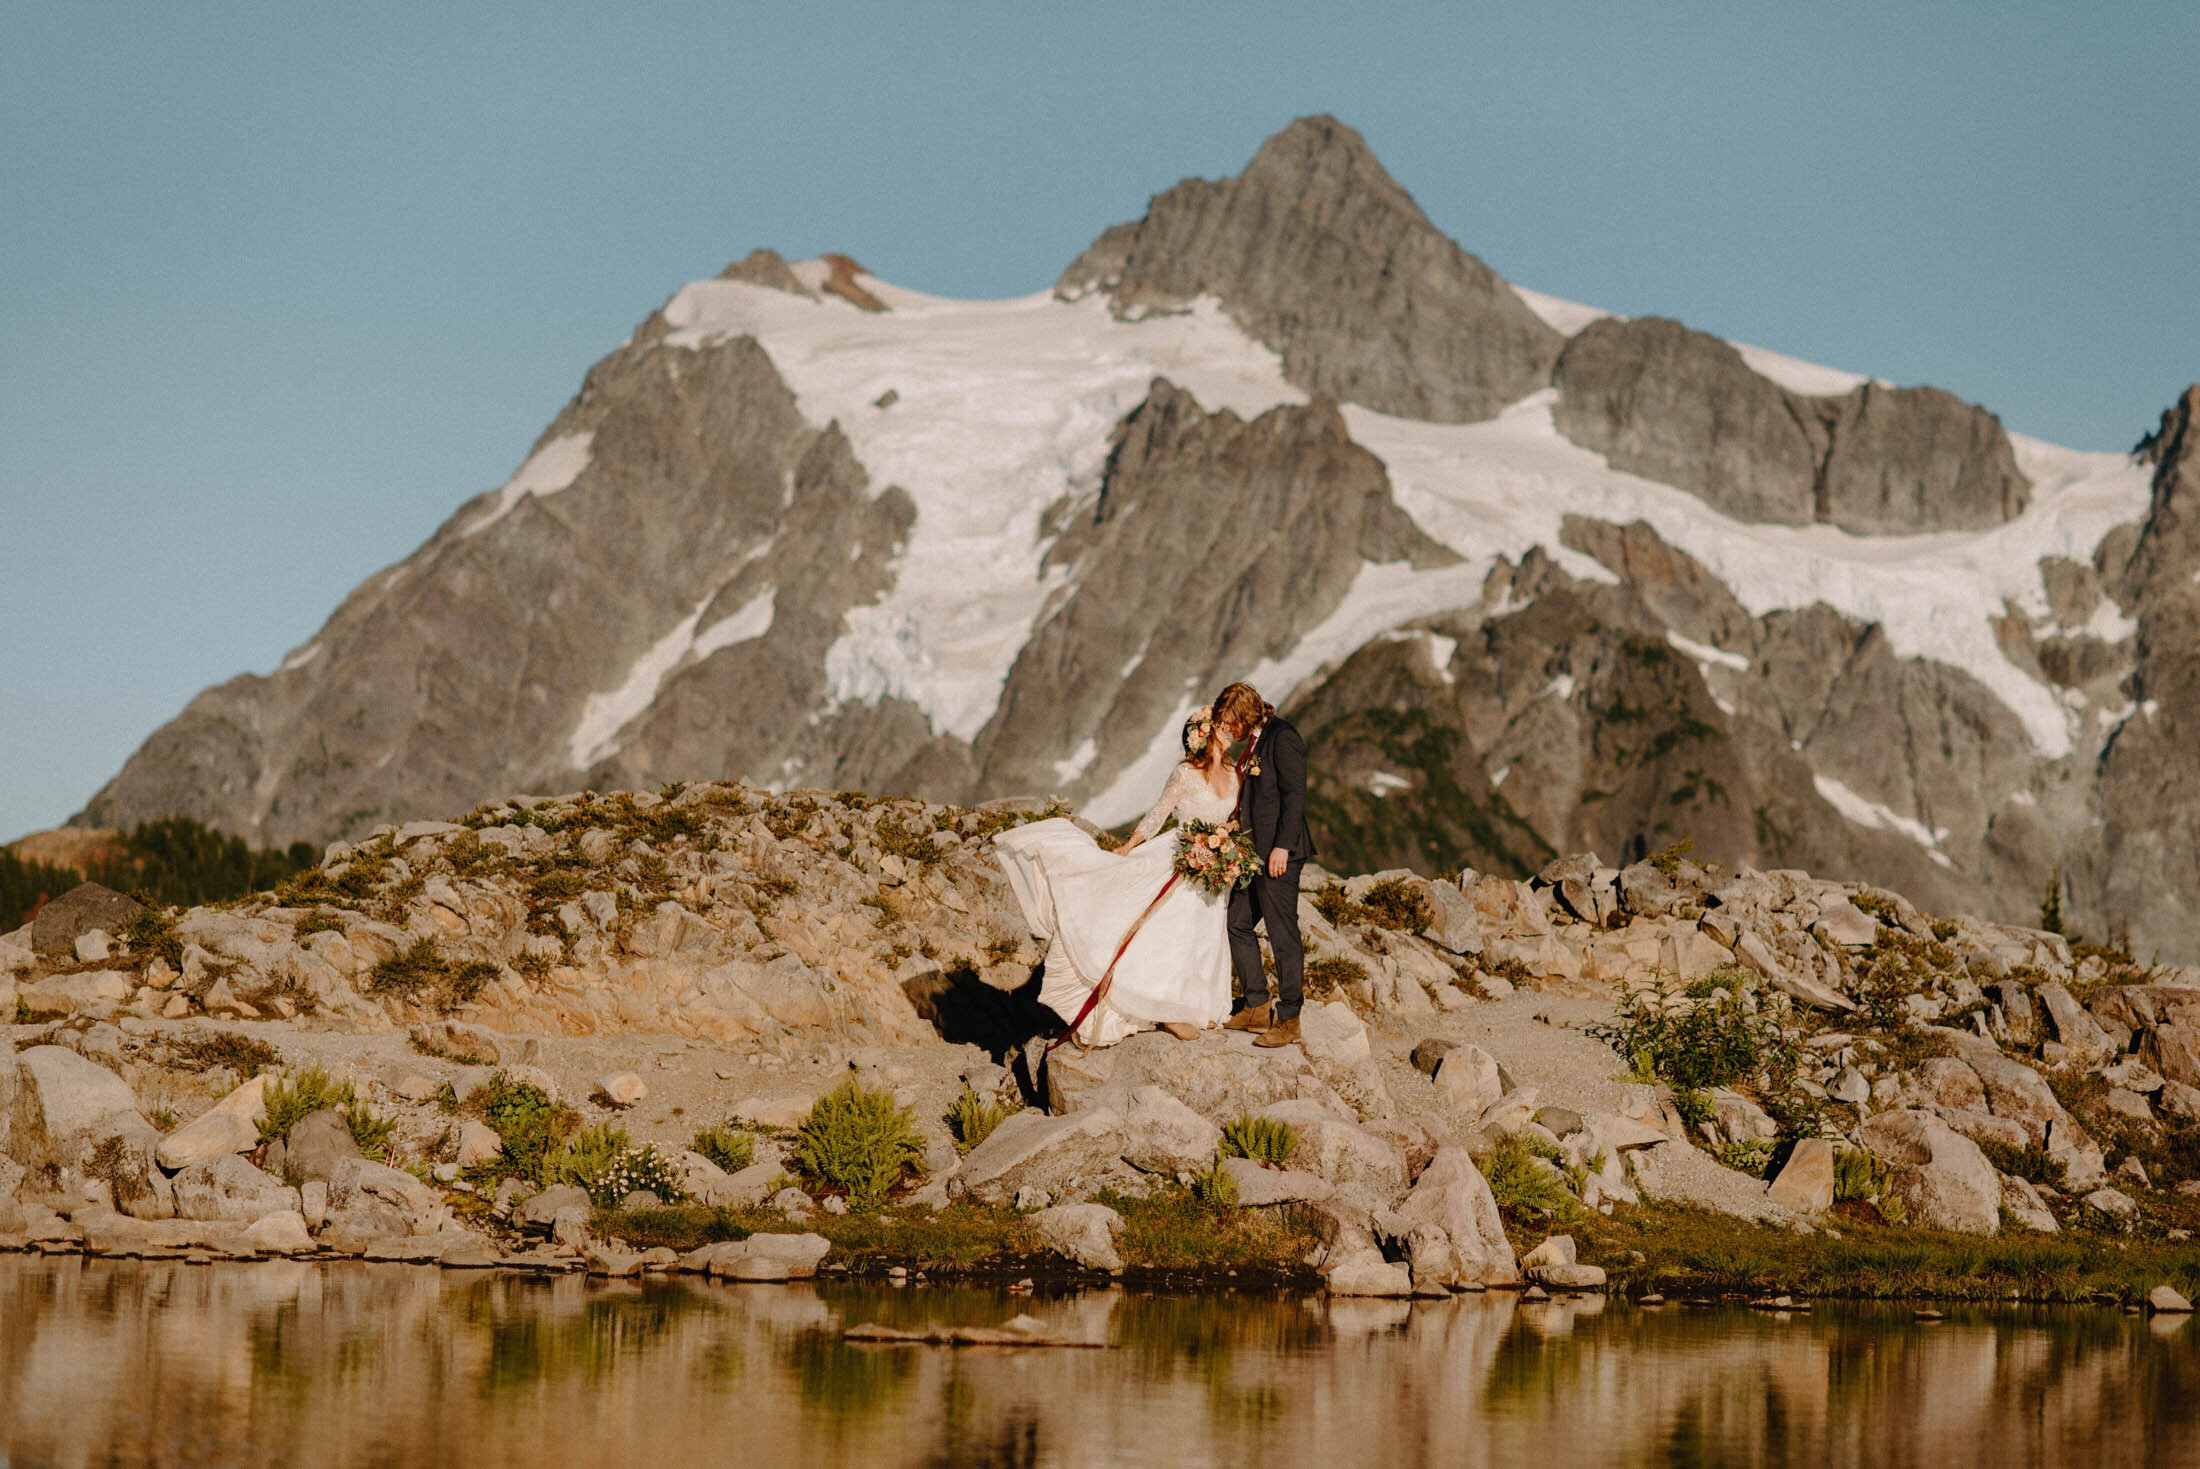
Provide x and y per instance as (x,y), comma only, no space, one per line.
(1132,944)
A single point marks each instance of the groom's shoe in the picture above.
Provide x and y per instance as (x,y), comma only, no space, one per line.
(1252,1017)
(1282,1033)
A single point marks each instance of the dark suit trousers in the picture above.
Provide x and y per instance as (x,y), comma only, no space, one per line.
(1275,902)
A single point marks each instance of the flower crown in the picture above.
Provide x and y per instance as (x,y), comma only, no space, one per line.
(1199,728)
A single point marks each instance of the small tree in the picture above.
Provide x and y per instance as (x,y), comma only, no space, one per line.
(2051,917)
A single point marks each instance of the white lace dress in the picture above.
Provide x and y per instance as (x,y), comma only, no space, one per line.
(1083,900)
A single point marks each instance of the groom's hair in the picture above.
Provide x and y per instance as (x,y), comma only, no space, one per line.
(1241,704)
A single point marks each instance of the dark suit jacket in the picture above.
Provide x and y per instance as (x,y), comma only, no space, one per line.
(1272,804)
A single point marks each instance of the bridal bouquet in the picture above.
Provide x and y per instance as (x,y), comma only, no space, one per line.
(1215,858)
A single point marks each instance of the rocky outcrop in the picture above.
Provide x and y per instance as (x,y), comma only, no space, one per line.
(1676,405)
(1319,253)
(1166,569)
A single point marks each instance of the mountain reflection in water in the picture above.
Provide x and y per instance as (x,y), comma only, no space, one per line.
(330,1364)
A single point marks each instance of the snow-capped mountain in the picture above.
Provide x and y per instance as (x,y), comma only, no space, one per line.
(1530,576)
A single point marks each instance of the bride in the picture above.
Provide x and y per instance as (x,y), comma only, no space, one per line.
(1175,971)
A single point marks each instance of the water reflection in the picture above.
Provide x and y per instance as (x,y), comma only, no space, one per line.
(338,1364)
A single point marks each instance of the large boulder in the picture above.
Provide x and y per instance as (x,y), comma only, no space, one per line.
(1456,925)
(1218,1075)
(1367,1170)
(227,1187)
(231,1125)
(1162,1135)
(762,1257)
(1941,1176)
(72,1123)
(79,911)
(1805,1181)
(1451,1196)
(316,1144)
(1084,1233)
(1067,1157)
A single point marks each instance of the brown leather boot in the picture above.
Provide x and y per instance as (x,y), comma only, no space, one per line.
(1252,1017)
(1284,1034)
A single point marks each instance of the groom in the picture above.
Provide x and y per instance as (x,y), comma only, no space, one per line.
(1272,810)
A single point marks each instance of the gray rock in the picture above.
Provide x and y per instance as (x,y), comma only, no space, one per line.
(1469,1078)
(1457,926)
(82,909)
(2021,1202)
(1805,1181)
(226,1187)
(1070,1156)
(539,1210)
(766,1257)
(2073,1026)
(1368,1170)
(1369,1275)
(2167,1300)
(1084,1233)
(1569,1277)
(1452,1196)
(1558,1249)
(1162,1135)
(316,1144)
(2113,1202)
(1941,1177)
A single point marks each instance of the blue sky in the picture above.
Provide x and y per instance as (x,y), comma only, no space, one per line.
(282,285)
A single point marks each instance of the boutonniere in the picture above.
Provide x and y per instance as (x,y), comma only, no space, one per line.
(1252,768)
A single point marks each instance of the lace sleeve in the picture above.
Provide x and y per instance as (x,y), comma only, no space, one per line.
(1172,795)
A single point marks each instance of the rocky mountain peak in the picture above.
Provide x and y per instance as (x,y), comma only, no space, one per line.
(1320,254)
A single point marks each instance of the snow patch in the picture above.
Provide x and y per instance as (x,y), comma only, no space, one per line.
(752,620)
(605,714)
(1382,783)
(1798,376)
(1501,487)
(1080,759)
(302,657)
(1876,816)
(1705,653)
(1567,317)
(1560,688)
(1004,408)
(548,470)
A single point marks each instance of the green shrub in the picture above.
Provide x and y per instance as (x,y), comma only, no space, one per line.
(1215,1187)
(605,1161)
(1753,1157)
(153,932)
(1262,1139)
(1528,1175)
(531,1125)
(290,1097)
(1723,1036)
(420,973)
(729,1147)
(246,1055)
(1860,1178)
(1398,903)
(1333,972)
(860,1141)
(369,1129)
(971,1119)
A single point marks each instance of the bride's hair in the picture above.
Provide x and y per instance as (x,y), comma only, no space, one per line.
(1199,728)
(1242,704)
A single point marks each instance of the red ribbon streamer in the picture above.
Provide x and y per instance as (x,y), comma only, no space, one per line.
(1108,978)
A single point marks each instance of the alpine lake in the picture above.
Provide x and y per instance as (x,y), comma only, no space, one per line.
(340,1363)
